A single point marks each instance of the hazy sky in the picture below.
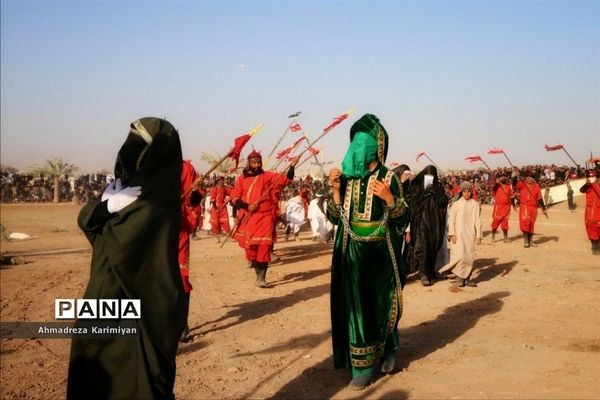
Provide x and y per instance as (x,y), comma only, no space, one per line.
(452,78)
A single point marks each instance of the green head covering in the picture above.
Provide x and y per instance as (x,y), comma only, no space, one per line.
(368,143)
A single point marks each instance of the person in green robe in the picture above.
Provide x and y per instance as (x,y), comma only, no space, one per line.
(368,271)
(134,232)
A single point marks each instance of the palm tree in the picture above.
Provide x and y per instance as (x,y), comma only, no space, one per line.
(212,158)
(55,169)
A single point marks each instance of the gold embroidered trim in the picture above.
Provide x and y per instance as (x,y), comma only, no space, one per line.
(363,363)
(360,351)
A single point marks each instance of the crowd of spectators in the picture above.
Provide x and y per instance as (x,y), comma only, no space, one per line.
(20,188)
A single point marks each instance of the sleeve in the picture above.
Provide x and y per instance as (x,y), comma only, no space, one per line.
(452,219)
(333,213)
(584,188)
(478,230)
(398,209)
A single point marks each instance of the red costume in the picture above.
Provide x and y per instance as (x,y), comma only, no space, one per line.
(503,195)
(190,218)
(256,229)
(592,209)
(530,196)
(219,218)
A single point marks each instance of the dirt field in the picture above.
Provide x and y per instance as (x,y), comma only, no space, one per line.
(531,330)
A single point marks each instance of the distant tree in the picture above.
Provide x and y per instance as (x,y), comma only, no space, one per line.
(54,169)
(212,158)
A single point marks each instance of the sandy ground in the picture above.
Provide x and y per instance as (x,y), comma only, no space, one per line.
(531,330)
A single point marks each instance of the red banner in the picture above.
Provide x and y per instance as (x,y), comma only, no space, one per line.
(495,150)
(554,148)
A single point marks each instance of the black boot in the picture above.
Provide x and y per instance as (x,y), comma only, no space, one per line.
(595,246)
(493,236)
(526,239)
(505,235)
(261,274)
(530,239)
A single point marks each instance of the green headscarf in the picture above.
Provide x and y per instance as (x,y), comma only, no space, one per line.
(368,143)
(360,154)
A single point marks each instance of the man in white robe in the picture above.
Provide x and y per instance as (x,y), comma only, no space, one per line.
(464,231)
(295,216)
(320,225)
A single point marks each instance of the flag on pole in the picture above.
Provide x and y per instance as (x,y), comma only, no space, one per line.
(295,127)
(474,158)
(495,150)
(240,142)
(313,151)
(296,114)
(283,153)
(554,148)
(297,142)
(419,155)
(336,121)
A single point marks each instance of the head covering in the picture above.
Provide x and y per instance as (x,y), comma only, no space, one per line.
(319,193)
(254,154)
(400,169)
(466,186)
(368,143)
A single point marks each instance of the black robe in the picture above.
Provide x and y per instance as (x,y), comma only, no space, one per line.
(135,257)
(427,222)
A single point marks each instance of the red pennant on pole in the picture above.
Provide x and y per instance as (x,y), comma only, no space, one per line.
(295,127)
(336,121)
(474,158)
(313,151)
(238,146)
(419,155)
(554,148)
(495,150)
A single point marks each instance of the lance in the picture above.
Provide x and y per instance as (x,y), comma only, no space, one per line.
(567,153)
(279,140)
(231,152)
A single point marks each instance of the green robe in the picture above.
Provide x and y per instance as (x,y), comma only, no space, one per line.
(135,257)
(366,277)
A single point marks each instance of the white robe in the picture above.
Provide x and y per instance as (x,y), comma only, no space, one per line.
(320,225)
(294,213)
(465,224)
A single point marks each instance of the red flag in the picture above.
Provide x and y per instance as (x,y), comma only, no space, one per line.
(297,142)
(336,121)
(474,158)
(553,148)
(313,151)
(238,146)
(296,127)
(495,150)
(420,154)
(283,153)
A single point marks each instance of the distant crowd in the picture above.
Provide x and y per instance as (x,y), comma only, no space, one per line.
(23,188)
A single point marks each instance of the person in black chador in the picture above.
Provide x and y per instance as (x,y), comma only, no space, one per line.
(134,233)
(428,204)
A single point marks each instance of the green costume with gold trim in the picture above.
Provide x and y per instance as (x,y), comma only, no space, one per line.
(368,271)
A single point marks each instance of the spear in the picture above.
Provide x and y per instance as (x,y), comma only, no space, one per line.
(291,127)
(234,154)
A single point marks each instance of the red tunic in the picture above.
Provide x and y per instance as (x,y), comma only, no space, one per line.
(502,203)
(592,210)
(529,194)
(219,218)
(257,228)
(190,218)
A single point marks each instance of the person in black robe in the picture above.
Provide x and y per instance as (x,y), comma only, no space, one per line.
(134,232)
(428,204)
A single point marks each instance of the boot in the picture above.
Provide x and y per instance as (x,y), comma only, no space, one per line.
(185,336)
(595,247)
(261,274)
(425,281)
(505,237)
(493,236)
(526,239)
(530,239)
(359,382)
(388,364)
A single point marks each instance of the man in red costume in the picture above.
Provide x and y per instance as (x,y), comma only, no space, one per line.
(503,196)
(592,209)
(190,217)
(530,198)
(254,201)
(219,218)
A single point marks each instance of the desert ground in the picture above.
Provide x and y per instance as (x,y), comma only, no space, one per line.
(530,330)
